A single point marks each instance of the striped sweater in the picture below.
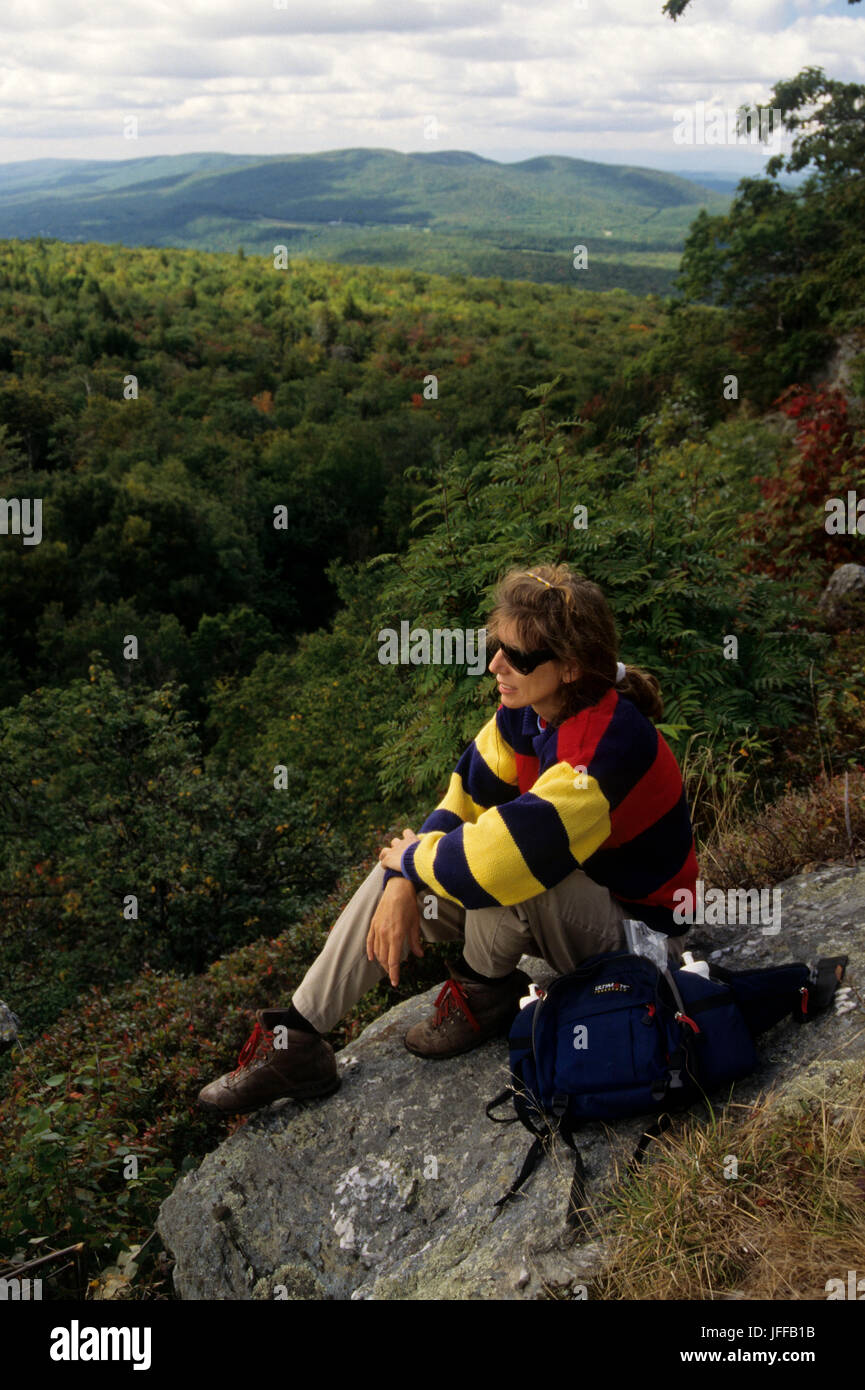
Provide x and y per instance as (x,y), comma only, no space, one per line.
(528,804)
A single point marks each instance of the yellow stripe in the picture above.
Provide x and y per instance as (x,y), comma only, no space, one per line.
(493,856)
(499,757)
(496,862)
(423,862)
(491,853)
(497,753)
(457,800)
(584,811)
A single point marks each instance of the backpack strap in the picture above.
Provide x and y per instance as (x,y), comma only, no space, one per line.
(578,1216)
(505,1095)
(678,1001)
(682,1059)
(539,1147)
(530,1163)
(652,1131)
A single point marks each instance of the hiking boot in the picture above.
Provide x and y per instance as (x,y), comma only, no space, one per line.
(466,1014)
(304,1067)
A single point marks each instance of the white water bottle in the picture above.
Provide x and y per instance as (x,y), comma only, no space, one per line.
(535,992)
(697,967)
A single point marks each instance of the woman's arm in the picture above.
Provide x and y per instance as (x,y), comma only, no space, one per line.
(517,850)
(485,776)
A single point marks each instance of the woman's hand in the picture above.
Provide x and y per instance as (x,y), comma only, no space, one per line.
(390,856)
(395,921)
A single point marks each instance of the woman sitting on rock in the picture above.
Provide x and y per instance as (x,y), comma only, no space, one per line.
(565,816)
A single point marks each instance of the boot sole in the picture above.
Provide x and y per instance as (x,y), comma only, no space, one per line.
(299,1094)
(458,1051)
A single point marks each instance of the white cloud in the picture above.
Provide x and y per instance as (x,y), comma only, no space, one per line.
(503,79)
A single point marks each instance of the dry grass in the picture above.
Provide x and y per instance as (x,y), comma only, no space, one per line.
(799,831)
(792,1219)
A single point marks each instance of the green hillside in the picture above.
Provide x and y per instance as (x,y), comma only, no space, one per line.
(447,212)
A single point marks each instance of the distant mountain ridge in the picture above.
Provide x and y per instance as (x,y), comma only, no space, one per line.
(449,211)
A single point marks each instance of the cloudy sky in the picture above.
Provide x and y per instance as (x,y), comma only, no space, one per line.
(596,79)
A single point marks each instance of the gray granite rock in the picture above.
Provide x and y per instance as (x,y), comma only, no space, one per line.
(9,1026)
(842,602)
(386,1189)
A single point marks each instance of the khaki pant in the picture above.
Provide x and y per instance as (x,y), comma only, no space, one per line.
(577,918)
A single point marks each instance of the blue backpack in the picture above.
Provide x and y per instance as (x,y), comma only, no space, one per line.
(619,1037)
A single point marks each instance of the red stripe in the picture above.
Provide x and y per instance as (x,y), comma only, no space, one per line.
(577,740)
(656,793)
(527,771)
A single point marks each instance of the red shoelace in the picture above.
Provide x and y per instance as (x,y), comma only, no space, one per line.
(450,998)
(259,1040)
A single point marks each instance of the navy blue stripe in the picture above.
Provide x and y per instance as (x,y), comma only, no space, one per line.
(625,753)
(520,728)
(482,784)
(440,819)
(541,837)
(451,870)
(643,864)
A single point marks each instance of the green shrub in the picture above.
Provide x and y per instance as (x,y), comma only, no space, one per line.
(106,799)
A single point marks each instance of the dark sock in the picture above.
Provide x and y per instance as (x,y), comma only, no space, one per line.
(463,968)
(296,1020)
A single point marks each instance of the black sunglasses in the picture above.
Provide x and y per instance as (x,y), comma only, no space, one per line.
(524,662)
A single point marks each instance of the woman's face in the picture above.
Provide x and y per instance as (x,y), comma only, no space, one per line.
(541,689)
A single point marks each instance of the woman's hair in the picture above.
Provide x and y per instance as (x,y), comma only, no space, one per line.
(549,606)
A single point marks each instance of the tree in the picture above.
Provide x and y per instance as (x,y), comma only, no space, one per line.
(831,134)
(789,263)
(120,847)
